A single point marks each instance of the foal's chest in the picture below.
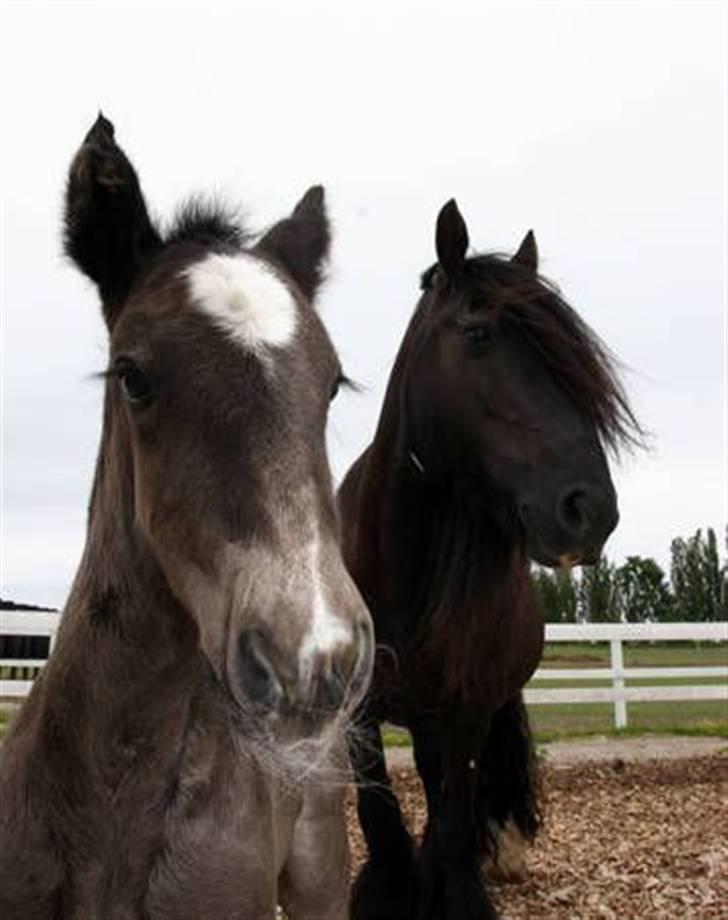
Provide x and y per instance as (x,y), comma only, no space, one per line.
(227,836)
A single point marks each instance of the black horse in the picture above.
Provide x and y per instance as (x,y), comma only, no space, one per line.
(489,453)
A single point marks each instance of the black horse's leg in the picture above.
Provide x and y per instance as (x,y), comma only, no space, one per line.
(451,854)
(507,795)
(386,888)
(428,760)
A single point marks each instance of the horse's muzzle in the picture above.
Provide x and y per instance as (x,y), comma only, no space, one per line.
(309,696)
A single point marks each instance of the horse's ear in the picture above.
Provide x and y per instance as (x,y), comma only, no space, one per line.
(108,233)
(527,254)
(300,243)
(451,239)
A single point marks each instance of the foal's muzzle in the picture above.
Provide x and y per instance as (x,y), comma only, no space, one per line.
(309,694)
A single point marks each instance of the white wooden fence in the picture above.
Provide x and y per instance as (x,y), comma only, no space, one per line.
(22,623)
(619,694)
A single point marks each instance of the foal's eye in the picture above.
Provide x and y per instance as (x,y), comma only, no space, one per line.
(341,380)
(134,382)
(335,387)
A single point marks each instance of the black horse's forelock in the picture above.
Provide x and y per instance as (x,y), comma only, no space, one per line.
(202,219)
(576,357)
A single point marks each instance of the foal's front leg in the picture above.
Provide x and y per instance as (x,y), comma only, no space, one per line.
(449,856)
(314,883)
(386,888)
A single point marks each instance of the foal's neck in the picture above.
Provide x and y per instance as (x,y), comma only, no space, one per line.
(120,594)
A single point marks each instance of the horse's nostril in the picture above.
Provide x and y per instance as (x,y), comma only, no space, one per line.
(362,672)
(257,676)
(347,673)
(573,512)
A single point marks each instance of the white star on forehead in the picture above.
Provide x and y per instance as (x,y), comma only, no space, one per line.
(245,298)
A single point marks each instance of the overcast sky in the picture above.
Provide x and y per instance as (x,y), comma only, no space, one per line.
(602,126)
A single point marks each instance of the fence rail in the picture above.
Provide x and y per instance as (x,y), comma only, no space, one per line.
(618,694)
(23,623)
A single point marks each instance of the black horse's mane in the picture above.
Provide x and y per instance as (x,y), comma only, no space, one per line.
(472,578)
(575,355)
(207,220)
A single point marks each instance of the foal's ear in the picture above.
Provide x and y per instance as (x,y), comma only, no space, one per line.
(108,233)
(301,242)
(527,254)
(451,239)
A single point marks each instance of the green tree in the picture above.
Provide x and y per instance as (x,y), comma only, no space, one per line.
(724,581)
(698,579)
(641,592)
(557,591)
(596,596)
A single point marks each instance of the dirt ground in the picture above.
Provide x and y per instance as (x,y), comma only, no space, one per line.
(600,747)
(625,837)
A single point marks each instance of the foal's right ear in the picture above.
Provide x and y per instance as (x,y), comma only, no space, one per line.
(108,233)
(300,243)
(451,239)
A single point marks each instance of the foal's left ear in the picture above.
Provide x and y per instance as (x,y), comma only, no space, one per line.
(108,233)
(451,239)
(527,254)
(301,242)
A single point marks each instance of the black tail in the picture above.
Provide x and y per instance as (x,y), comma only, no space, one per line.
(508,785)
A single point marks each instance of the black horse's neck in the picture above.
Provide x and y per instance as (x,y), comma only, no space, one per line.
(445,577)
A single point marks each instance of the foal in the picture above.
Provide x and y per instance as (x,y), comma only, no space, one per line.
(165,764)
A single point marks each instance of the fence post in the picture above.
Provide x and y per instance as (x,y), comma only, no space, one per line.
(620,704)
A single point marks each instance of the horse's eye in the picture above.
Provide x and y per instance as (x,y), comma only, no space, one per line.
(335,387)
(134,382)
(479,335)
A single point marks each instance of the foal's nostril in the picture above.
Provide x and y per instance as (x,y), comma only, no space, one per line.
(257,677)
(573,512)
(361,674)
(347,675)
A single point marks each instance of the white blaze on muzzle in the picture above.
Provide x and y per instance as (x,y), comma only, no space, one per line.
(326,631)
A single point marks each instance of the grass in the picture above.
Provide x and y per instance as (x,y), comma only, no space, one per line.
(396,737)
(5,716)
(636,654)
(562,723)
(571,720)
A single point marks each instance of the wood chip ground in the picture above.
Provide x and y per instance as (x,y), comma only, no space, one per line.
(629,840)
